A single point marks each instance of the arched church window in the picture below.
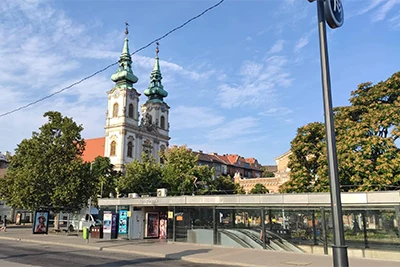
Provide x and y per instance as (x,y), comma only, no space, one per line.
(115,110)
(130,149)
(113,148)
(130,111)
(162,123)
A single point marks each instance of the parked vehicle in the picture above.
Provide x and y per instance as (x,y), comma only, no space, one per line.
(89,221)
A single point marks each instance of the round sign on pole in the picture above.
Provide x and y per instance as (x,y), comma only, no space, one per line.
(334,13)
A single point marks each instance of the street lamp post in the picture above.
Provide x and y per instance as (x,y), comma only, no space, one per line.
(331,11)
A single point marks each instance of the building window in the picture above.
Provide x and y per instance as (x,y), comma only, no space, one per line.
(162,150)
(162,125)
(113,148)
(115,110)
(130,111)
(130,149)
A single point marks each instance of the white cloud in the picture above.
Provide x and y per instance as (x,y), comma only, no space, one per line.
(395,21)
(276,111)
(44,50)
(302,42)
(251,69)
(183,117)
(258,83)
(277,47)
(373,4)
(237,128)
(384,10)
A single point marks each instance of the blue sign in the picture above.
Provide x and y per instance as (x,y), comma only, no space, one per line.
(123,221)
(334,13)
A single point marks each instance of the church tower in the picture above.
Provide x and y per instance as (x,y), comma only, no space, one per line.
(125,138)
(122,116)
(155,114)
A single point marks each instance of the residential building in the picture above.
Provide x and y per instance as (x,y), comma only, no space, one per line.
(3,165)
(230,164)
(283,171)
(281,175)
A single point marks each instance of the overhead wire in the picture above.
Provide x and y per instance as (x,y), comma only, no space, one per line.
(113,64)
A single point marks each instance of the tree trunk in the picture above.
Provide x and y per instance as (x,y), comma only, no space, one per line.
(57,221)
(12,214)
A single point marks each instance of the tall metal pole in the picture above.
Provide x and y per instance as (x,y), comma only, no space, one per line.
(340,258)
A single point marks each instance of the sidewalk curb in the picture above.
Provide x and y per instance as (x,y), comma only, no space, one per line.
(218,262)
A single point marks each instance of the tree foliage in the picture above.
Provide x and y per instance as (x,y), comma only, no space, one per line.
(182,175)
(103,171)
(366,135)
(259,189)
(47,170)
(266,172)
(142,177)
(224,185)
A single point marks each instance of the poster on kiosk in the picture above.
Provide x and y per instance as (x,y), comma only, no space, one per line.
(110,225)
(152,223)
(123,219)
(41,222)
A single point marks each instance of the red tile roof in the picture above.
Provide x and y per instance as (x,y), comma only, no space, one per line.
(94,148)
(250,160)
(232,158)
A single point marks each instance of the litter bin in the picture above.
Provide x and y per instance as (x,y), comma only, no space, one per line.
(85,233)
(97,232)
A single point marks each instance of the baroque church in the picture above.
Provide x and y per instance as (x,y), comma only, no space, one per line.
(128,132)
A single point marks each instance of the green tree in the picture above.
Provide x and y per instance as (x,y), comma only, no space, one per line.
(106,177)
(366,135)
(239,189)
(259,189)
(47,170)
(181,174)
(266,172)
(142,177)
(305,161)
(224,185)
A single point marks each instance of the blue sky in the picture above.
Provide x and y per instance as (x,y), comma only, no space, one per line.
(241,79)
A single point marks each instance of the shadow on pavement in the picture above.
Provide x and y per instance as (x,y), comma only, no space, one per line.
(138,262)
(179,255)
(38,254)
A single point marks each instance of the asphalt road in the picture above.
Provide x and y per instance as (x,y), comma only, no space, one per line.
(19,254)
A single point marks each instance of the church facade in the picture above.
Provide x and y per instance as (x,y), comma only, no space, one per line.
(128,131)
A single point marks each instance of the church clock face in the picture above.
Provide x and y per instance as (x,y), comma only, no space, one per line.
(132,95)
(116,93)
(163,108)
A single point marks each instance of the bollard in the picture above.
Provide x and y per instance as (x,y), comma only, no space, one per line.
(85,234)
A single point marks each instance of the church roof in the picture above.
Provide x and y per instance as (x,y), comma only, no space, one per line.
(124,76)
(94,148)
(155,92)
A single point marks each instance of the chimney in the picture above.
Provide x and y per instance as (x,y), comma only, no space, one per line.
(200,151)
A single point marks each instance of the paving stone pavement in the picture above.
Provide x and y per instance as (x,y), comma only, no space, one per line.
(190,252)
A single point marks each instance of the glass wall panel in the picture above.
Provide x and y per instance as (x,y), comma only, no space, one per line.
(354,227)
(383,228)
(239,227)
(194,225)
